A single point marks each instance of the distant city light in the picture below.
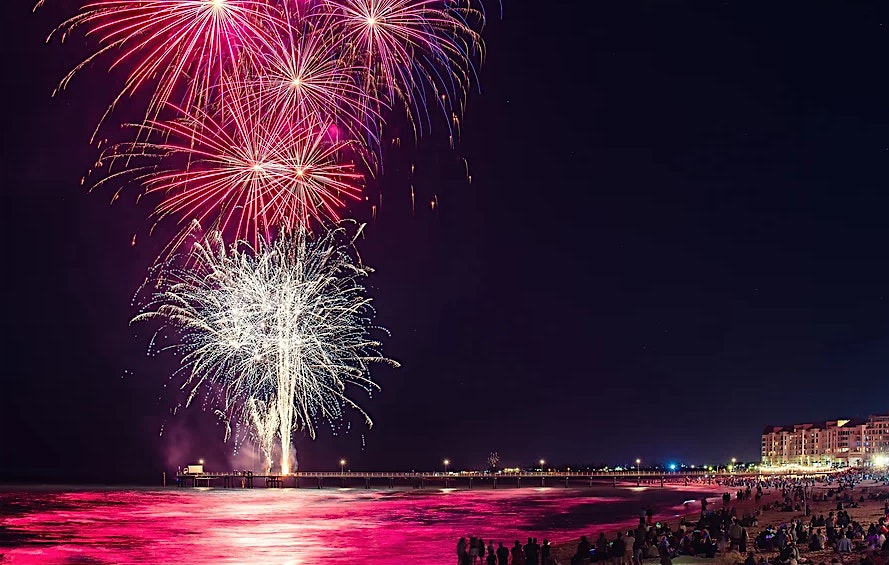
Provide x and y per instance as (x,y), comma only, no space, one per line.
(672,466)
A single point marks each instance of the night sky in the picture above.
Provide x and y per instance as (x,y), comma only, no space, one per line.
(676,233)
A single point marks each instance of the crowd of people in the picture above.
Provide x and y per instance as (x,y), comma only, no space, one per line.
(473,551)
(721,531)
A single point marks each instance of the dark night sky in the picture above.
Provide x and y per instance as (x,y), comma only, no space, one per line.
(676,233)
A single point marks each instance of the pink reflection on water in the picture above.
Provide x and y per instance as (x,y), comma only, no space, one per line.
(296,526)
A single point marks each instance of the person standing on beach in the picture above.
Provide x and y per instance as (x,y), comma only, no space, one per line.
(461,549)
(734,534)
(530,550)
(545,552)
(639,546)
(518,556)
(502,554)
(583,551)
(602,547)
(629,545)
(619,549)
(649,515)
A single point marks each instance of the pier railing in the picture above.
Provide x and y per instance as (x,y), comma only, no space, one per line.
(249,479)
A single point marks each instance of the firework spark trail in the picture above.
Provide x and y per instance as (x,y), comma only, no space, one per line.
(262,415)
(177,48)
(245,176)
(411,47)
(305,76)
(286,325)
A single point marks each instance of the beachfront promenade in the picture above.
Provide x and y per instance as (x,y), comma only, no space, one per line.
(246,479)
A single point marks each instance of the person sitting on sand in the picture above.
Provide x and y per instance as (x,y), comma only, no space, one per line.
(750,559)
(844,544)
(817,541)
(789,555)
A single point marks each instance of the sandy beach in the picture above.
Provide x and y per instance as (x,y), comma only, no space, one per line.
(867,512)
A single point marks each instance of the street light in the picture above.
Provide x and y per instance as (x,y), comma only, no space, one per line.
(446,463)
(542,463)
(732,470)
(637,465)
(342,466)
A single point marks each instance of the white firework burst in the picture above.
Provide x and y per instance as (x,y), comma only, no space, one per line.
(279,333)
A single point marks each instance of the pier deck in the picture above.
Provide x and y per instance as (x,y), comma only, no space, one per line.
(310,479)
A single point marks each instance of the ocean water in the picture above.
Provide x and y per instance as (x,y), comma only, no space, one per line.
(185,526)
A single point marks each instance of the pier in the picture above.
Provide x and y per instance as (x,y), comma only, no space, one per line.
(470,480)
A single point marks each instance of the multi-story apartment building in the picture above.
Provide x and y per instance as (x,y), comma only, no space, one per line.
(876,437)
(850,442)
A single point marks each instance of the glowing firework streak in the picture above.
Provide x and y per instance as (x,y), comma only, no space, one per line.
(278,333)
(179,49)
(257,170)
(409,46)
(305,76)
(263,417)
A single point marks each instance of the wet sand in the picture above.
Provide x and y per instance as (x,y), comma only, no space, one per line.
(866,513)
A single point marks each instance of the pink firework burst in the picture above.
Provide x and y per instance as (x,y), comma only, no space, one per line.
(179,49)
(247,174)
